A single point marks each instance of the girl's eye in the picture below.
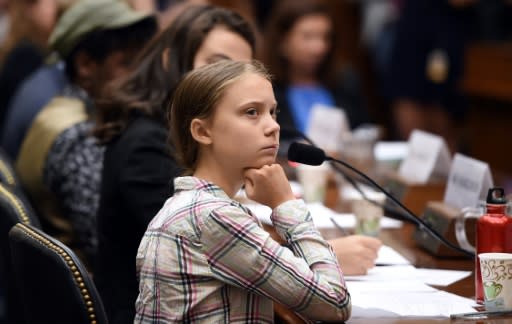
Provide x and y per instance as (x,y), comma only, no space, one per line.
(251,112)
(274,112)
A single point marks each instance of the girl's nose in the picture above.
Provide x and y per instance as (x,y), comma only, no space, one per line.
(273,126)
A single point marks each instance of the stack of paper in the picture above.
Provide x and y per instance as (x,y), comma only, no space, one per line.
(404,298)
(396,288)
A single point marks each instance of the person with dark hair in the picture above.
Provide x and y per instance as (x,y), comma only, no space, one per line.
(299,48)
(138,169)
(60,162)
(205,257)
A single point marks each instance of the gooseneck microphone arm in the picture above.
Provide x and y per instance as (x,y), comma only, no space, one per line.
(308,154)
(390,212)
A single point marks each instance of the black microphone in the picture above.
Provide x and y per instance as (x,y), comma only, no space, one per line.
(312,155)
(306,154)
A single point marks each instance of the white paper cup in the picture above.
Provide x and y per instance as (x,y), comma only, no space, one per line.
(496,269)
(313,180)
(368,214)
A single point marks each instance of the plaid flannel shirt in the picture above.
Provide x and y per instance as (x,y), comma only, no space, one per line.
(206,259)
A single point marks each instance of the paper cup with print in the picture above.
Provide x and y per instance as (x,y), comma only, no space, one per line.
(313,180)
(368,214)
(496,269)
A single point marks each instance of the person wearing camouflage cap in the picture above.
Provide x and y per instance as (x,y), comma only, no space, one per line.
(60,162)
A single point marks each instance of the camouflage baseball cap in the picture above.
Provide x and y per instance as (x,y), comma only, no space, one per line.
(86,16)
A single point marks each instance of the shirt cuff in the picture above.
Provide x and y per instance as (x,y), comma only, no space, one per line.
(290,214)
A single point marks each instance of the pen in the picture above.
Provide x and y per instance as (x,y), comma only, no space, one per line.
(482,315)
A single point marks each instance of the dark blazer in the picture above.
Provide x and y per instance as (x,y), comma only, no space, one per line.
(346,94)
(21,61)
(137,178)
(425,26)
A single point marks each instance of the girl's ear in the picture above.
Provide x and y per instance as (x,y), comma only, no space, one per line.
(200,131)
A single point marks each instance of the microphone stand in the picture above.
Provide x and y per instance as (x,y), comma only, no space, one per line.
(410,215)
(393,213)
(350,180)
(389,211)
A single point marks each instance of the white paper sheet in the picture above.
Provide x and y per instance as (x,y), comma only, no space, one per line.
(405,299)
(348,221)
(389,256)
(436,277)
(440,277)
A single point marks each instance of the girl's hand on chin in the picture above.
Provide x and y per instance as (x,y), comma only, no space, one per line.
(268,185)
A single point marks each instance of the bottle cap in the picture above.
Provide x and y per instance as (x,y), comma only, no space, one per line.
(496,196)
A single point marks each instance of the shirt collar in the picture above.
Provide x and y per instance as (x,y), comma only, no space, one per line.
(193,183)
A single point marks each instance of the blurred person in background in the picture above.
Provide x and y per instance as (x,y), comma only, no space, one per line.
(426,66)
(37,90)
(25,46)
(299,47)
(30,95)
(59,161)
(378,27)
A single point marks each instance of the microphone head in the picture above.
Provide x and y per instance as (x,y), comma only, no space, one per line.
(306,154)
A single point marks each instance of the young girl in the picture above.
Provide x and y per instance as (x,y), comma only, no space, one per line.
(205,257)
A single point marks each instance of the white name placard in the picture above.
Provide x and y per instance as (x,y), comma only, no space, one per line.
(468,182)
(427,156)
(327,126)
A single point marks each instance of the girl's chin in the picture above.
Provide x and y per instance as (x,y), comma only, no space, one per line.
(259,164)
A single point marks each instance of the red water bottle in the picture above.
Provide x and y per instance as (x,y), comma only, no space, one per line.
(493,233)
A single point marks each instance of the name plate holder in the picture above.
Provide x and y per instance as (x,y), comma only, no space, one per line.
(468,181)
(328,126)
(422,175)
(442,217)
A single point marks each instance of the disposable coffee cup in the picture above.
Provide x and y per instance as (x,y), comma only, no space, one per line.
(368,213)
(496,270)
(313,180)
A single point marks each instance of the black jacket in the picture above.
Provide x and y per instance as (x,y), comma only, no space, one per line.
(138,175)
